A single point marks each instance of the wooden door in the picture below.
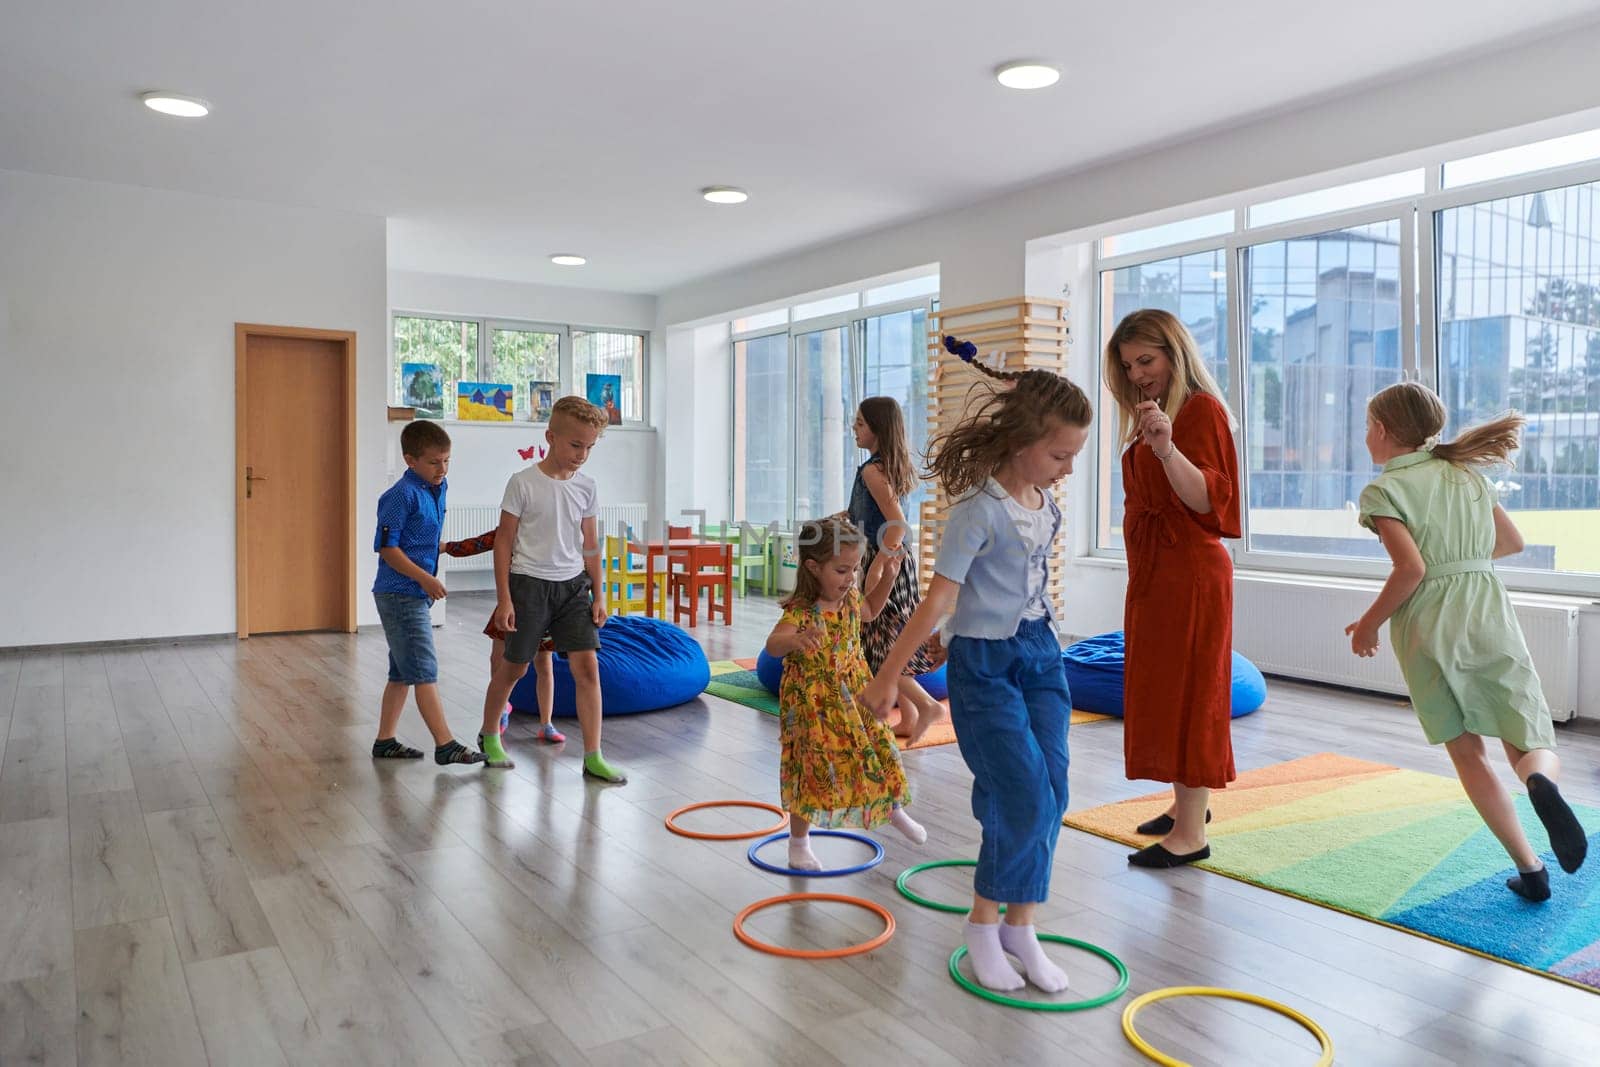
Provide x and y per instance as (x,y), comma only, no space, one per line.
(295,470)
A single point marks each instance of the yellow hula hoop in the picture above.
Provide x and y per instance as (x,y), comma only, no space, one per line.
(1212,991)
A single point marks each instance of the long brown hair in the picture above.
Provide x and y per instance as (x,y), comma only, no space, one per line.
(1007,420)
(1163,330)
(1414,416)
(883,418)
(819,540)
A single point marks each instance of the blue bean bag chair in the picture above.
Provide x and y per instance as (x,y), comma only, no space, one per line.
(645,664)
(1094,674)
(770,670)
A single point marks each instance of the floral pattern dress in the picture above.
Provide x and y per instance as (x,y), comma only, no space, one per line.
(840,765)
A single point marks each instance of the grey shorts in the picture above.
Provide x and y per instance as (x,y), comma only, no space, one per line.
(564,610)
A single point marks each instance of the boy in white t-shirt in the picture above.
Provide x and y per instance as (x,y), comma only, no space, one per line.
(547,571)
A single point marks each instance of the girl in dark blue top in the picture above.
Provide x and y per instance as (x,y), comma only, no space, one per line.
(882,482)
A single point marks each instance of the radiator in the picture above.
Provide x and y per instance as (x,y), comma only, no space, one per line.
(624,519)
(474,519)
(1286,628)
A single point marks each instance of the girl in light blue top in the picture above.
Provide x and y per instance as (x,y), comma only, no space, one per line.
(1451,623)
(1009,702)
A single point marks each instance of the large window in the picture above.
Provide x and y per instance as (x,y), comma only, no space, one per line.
(894,351)
(539,362)
(1324,336)
(1195,289)
(824,450)
(1310,304)
(797,382)
(761,439)
(1519,327)
(620,354)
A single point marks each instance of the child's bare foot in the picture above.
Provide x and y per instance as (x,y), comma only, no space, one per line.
(924,720)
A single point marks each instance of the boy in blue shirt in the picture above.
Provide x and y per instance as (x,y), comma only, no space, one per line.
(410,518)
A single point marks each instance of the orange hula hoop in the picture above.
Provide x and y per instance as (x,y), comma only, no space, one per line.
(699,836)
(818,953)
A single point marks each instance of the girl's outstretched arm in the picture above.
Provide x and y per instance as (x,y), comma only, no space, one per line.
(1507,538)
(880,577)
(1403,581)
(786,637)
(472,546)
(879,694)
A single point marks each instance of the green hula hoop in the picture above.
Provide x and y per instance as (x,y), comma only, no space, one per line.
(902,884)
(1046,1005)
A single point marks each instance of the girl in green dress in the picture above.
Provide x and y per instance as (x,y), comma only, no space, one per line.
(1454,632)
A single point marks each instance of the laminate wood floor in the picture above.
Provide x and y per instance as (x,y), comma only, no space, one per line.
(200,863)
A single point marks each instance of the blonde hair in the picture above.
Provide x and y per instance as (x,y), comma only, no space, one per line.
(1163,330)
(1007,420)
(1414,416)
(579,410)
(883,418)
(819,541)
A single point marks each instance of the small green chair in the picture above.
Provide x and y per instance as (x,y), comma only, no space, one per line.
(754,549)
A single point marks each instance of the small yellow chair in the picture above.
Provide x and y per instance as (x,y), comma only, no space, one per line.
(622,578)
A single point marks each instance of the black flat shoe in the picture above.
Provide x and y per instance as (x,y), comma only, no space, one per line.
(1157,856)
(1161,825)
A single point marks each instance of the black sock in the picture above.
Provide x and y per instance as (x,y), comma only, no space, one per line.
(1567,838)
(1531,885)
(391,748)
(453,751)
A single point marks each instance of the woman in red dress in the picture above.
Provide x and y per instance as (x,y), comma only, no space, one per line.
(1180,474)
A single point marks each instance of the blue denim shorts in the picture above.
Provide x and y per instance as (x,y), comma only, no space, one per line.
(408,626)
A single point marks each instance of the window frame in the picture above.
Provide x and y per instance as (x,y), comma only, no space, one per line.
(852,321)
(484,361)
(1419,218)
(568,370)
(1430,210)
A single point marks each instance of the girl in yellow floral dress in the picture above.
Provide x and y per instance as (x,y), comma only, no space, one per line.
(840,765)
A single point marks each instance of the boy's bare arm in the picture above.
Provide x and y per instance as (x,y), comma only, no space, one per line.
(594,564)
(505,537)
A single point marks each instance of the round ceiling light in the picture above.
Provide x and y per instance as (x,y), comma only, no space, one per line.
(183,107)
(1027,75)
(724,194)
(567,259)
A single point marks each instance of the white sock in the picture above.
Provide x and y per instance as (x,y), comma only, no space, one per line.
(801,858)
(908,826)
(1023,943)
(989,961)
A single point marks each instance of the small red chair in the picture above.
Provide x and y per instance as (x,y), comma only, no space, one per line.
(709,567)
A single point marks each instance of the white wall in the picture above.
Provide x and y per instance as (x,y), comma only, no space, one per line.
(483,455)
(449,294)
(116,339)
(980,248)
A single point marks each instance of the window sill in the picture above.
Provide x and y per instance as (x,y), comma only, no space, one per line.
(525,424)
(1314,580)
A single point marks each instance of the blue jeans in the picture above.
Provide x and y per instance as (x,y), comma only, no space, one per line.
(408,627)
(1010,707)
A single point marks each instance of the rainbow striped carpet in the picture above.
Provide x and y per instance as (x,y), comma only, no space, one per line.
(1398,847)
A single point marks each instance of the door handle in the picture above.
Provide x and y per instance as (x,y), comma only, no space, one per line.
(250,476)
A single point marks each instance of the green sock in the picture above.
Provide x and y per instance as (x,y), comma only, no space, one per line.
(496,756)
(595,766)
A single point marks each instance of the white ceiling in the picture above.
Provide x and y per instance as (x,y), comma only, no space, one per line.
(494,133)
